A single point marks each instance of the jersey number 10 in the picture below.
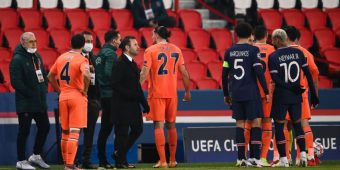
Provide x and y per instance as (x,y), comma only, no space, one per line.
(287,70)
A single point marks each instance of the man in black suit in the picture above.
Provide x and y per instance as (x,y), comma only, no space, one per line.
(93,106)
(127,98)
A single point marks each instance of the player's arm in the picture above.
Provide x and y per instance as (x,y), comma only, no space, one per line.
(144,74)
(52,78)
(305,69)
(186,82)
(225,73)
(146,67)
(260,73)
(314,71)
(85,69)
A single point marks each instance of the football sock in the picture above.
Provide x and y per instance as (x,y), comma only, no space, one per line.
(280,139)
(247,127)
(276,155)
(160,142)
(288,141)
(72,146)
(255,142)
(266,137)
(240,143)
(172,140)
(309,141)
(63,143)
(300,136)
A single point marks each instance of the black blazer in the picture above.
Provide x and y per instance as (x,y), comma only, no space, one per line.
(127,92)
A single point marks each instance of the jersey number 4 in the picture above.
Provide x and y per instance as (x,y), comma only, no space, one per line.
(162,70)
(64,73)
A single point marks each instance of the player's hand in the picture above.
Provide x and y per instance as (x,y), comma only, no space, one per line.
(314,101)
(84,93)
(91,69)
(298,89)
(187,96)
(267,98)
(146,108)
(227,100)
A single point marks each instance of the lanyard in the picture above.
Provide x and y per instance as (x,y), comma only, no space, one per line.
(149,5)
(35,66)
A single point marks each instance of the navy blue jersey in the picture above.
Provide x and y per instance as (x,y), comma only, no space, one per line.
(285,66)
(242,62)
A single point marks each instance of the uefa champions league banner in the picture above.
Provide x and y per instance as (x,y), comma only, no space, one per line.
(217,144)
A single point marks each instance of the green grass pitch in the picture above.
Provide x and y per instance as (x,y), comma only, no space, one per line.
(326,165)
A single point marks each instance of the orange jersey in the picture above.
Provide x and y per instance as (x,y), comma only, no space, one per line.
(70,68)
(312,68)
(265,50)
(163,60)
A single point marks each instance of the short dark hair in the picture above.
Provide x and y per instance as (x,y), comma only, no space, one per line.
(162,32)
(86,33)
(243,30)
(77,41)
(126,41)
(292,33)
(110,35)
(260,32)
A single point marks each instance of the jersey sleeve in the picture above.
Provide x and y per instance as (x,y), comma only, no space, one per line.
(226,59)
(312,66)
(148,58)
(85,67)
(256,59)
(272,65)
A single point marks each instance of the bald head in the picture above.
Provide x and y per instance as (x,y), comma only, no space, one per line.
(27,40)
(279,38)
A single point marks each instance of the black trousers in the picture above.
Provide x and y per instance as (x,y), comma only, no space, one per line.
(93,109)
(125,139)
(105,129)
(25,121)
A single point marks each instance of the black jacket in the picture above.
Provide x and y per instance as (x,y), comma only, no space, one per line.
(138,13)
(93,91)
(127,92)
(30,95)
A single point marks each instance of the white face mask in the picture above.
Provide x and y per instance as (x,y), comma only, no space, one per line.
(31,50)
(88,47)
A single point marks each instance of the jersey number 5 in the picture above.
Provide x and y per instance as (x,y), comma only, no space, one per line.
(237,65)
(162,70)
(64,73)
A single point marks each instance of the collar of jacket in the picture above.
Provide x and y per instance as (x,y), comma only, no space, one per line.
(21,51)
(108,45)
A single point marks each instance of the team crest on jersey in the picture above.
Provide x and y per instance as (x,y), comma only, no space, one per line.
(259,55)
(98,60)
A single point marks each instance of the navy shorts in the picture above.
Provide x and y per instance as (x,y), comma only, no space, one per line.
(247,110)
(279,111)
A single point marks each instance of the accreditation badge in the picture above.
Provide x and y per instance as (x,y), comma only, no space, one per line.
(93,79)
(39,76)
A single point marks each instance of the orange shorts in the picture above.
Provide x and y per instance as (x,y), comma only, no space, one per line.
(266,107)
(305,109)
(73,113)
(162,109)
